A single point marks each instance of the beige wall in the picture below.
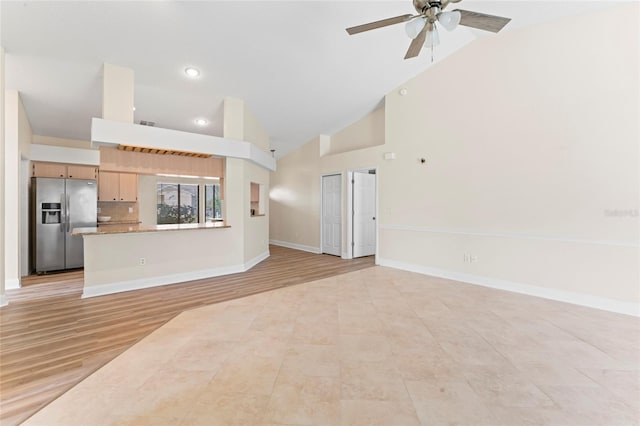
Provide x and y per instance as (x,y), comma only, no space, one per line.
(112,261)
(366,132)
(253,232)
(294,198)
(67,143)
(17,144)
(233,127)
(532,164)
(295,190)
(256,237)
(254,132)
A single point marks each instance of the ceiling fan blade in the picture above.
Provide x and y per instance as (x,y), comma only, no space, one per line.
(378,24)
(416,44)
(482,21)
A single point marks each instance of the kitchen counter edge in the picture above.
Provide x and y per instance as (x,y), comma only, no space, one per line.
(132,229)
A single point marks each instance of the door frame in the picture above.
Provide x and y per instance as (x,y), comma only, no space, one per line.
(349,210)
(342,217)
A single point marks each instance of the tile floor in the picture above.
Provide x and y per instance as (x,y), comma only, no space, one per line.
(376,347)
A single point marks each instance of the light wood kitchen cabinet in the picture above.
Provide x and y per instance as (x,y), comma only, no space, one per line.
(128,187)
(81,172)
(113,186)
(60,170)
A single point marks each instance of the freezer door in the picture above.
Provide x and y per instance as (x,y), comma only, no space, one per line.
(82,203)
(49,224)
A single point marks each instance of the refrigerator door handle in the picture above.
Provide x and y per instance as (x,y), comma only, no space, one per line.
(68,220)
(63,213)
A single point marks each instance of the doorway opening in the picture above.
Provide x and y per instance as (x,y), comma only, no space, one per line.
(362,199)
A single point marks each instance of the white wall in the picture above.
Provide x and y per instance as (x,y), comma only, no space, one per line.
(17,146)
(117,93)
(531,142)
(3,299)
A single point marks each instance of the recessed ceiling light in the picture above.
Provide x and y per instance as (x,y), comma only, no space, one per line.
(192,72)
(201,122)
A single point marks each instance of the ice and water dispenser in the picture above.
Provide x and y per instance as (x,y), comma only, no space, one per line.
(51,213)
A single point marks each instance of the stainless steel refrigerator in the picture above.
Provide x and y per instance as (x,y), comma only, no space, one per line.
(57,207)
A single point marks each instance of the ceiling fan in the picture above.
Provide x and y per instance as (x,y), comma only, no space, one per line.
(422,27)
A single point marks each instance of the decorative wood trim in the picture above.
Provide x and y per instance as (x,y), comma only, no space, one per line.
(145,150)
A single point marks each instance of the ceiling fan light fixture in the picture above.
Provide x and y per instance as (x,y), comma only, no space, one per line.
(450,20)
(432,39)
(414,27)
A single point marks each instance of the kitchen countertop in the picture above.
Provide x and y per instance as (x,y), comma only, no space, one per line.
(129,229)
(119,222)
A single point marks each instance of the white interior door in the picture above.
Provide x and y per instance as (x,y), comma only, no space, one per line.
(364,214)
(331,215)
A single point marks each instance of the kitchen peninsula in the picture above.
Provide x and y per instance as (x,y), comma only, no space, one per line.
(123,258)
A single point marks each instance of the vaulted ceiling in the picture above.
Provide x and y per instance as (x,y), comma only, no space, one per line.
(291,61)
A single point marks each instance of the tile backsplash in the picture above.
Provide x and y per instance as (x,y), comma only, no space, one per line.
(119,211)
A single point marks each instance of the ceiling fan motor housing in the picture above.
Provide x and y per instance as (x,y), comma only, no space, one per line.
(429,9)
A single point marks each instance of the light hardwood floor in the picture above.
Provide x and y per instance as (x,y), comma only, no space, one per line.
(51,338)
(376,346)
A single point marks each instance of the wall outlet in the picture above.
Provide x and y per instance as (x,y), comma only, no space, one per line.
(130,209)
(469,258)
(143,261)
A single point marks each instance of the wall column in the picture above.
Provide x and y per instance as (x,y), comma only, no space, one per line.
(117,93)
(3,299)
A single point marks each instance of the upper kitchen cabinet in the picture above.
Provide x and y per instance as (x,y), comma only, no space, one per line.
(113,186)
(128,187)
(82,172)
(60,170)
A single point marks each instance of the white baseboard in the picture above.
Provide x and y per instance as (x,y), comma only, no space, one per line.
(295,246)
(581,299)
(3,300)
(139,284)
(253,262)
(12,284)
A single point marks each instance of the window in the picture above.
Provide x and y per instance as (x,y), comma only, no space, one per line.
(212,204)
(177,203)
